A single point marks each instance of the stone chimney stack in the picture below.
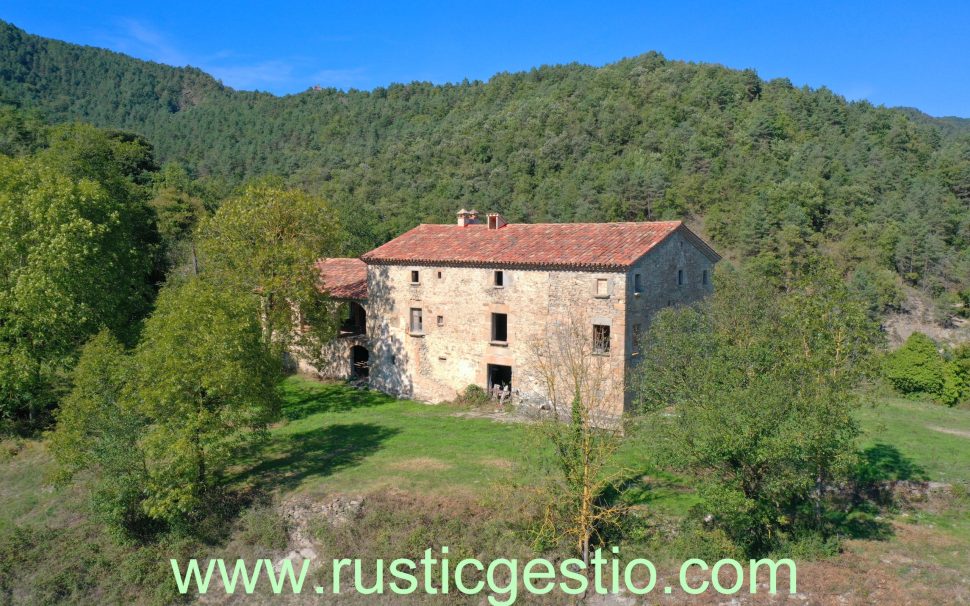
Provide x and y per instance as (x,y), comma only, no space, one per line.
(496,221)
(467,217)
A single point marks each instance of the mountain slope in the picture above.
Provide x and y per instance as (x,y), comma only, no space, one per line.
(777,173)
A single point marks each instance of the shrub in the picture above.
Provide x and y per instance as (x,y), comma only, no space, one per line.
(473,395)
(916,368)
(956,377)
(263,526)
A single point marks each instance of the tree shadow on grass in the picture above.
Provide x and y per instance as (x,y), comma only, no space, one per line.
(643,487)
(872,489)
(316,453)
(884,463)
(302,402)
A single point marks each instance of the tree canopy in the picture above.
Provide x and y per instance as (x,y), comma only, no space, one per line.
(77,254)
(754,389)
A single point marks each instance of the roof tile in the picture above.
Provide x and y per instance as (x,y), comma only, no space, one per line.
(585,245)
(344,278)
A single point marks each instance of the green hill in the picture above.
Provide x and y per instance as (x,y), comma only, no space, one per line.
(775,173)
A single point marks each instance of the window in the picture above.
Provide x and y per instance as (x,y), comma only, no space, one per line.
(500,328)
(417,323)
(602,288)
(636,339)
(637,287)
(439,275)
(499,278)
(441,320)
(704,277)
(680,277)
(601,339)
(415,276)
(354,320)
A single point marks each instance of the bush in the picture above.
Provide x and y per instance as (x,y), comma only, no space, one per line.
(263,526)
(473,396)
(753,390)
(916,368)
(956,377)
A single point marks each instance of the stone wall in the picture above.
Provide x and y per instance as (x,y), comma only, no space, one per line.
(659,287)
(455,347)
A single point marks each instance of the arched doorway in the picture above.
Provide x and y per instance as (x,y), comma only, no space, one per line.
(359,362)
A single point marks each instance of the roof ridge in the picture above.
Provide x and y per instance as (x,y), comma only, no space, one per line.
(603,246)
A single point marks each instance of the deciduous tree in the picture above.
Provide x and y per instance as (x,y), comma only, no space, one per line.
(581,388)
(206,381)
(753,390)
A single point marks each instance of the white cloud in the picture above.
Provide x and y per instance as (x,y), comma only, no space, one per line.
(239,71)
(142,40)
(263,75)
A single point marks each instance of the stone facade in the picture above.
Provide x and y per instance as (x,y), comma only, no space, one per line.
(431,333)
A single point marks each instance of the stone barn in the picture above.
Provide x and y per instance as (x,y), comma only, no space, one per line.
(445,306)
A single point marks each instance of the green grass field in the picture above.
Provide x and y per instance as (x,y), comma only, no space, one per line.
(933,439)
(337,439)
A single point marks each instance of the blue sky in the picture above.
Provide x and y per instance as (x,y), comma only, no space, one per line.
(894,53)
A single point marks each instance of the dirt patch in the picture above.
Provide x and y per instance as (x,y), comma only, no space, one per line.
(953,432)
(420,464)
(497,462)
(917,316)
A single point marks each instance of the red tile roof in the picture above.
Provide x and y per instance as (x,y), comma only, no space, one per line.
(344,278)
(583,245)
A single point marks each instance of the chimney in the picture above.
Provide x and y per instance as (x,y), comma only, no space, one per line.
(467,217)
(496,221)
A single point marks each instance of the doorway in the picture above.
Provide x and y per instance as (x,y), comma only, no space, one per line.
(499,376)
(359,362)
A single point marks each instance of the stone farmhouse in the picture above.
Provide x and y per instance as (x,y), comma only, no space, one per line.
(445,306)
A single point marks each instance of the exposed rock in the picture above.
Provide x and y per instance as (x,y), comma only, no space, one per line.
(299,513)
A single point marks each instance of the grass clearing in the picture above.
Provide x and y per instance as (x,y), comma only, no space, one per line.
(337,439)
(913,429)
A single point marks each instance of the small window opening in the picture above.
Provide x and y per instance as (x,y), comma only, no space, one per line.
(439,275)
(602,288)
(417,321)
(680,277)
(601,338)
(500,328)
(637,286)
(415,276)
(499,278)
(441,320)
(704,277)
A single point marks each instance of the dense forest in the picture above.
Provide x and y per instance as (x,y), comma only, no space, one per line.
(772,173)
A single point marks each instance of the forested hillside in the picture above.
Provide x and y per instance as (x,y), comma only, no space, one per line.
(774,173)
